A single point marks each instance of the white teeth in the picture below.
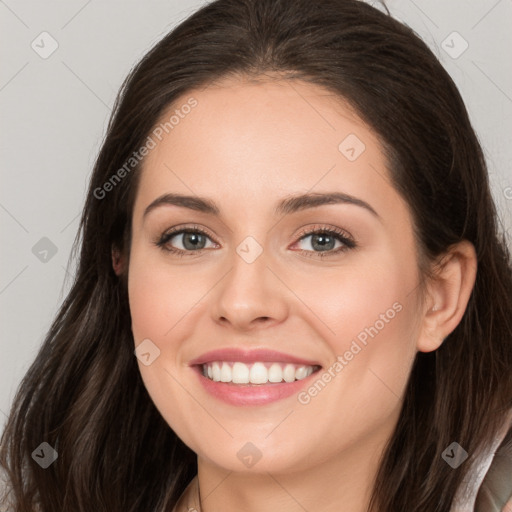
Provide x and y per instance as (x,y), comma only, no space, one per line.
(225,373)
(216,372)
(289,373)
(256,373)
(301,373)
(275,373)
(239,373)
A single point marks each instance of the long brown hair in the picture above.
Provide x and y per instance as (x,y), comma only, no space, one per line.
(83,393)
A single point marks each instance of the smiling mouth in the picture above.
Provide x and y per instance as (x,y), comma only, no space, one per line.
(257,373)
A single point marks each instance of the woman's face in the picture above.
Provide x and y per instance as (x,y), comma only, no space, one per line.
(252,280)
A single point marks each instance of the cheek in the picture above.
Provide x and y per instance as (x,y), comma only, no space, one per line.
(160,295)
(161,298)
(372,350)
(148,299)
(367,317)
(363,301)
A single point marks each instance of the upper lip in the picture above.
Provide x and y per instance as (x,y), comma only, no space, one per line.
(234,354)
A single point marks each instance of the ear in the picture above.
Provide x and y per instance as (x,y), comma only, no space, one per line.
(117,261)
(449,295)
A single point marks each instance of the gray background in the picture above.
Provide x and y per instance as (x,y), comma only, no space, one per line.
(54,112)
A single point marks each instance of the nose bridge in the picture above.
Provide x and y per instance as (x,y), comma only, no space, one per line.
(249,291)
(250,263)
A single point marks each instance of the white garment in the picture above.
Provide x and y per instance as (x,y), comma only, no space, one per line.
(466,494)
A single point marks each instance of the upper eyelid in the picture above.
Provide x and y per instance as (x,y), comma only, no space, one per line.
(181,230)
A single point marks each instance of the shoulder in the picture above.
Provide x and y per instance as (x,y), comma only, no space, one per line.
(495,493)
(488,485)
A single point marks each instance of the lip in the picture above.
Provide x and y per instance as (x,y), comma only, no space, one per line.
(252,394)
(250,356)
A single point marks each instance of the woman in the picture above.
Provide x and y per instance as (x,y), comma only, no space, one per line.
(341,338)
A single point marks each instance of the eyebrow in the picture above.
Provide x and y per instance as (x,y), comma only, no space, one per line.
(285,206)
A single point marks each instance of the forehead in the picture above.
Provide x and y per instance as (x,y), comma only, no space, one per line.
(249,144)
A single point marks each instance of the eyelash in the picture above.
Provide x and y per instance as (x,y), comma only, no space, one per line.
(348,242)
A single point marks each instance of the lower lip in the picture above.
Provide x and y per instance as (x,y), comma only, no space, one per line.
(252,394)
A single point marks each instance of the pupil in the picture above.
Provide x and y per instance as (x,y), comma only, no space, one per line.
(323,241)
(194,242)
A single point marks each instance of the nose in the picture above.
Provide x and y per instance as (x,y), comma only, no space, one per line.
(250,295)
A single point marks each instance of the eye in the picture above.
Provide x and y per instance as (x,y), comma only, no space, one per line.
(323,242)
(193,240)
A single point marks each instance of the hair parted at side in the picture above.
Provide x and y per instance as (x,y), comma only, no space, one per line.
(84,395)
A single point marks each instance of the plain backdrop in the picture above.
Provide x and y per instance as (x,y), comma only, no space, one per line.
(54,109)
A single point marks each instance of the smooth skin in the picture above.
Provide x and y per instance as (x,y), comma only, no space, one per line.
(246,146)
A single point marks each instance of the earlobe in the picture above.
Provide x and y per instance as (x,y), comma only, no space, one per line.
(117,261)
(449,295)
